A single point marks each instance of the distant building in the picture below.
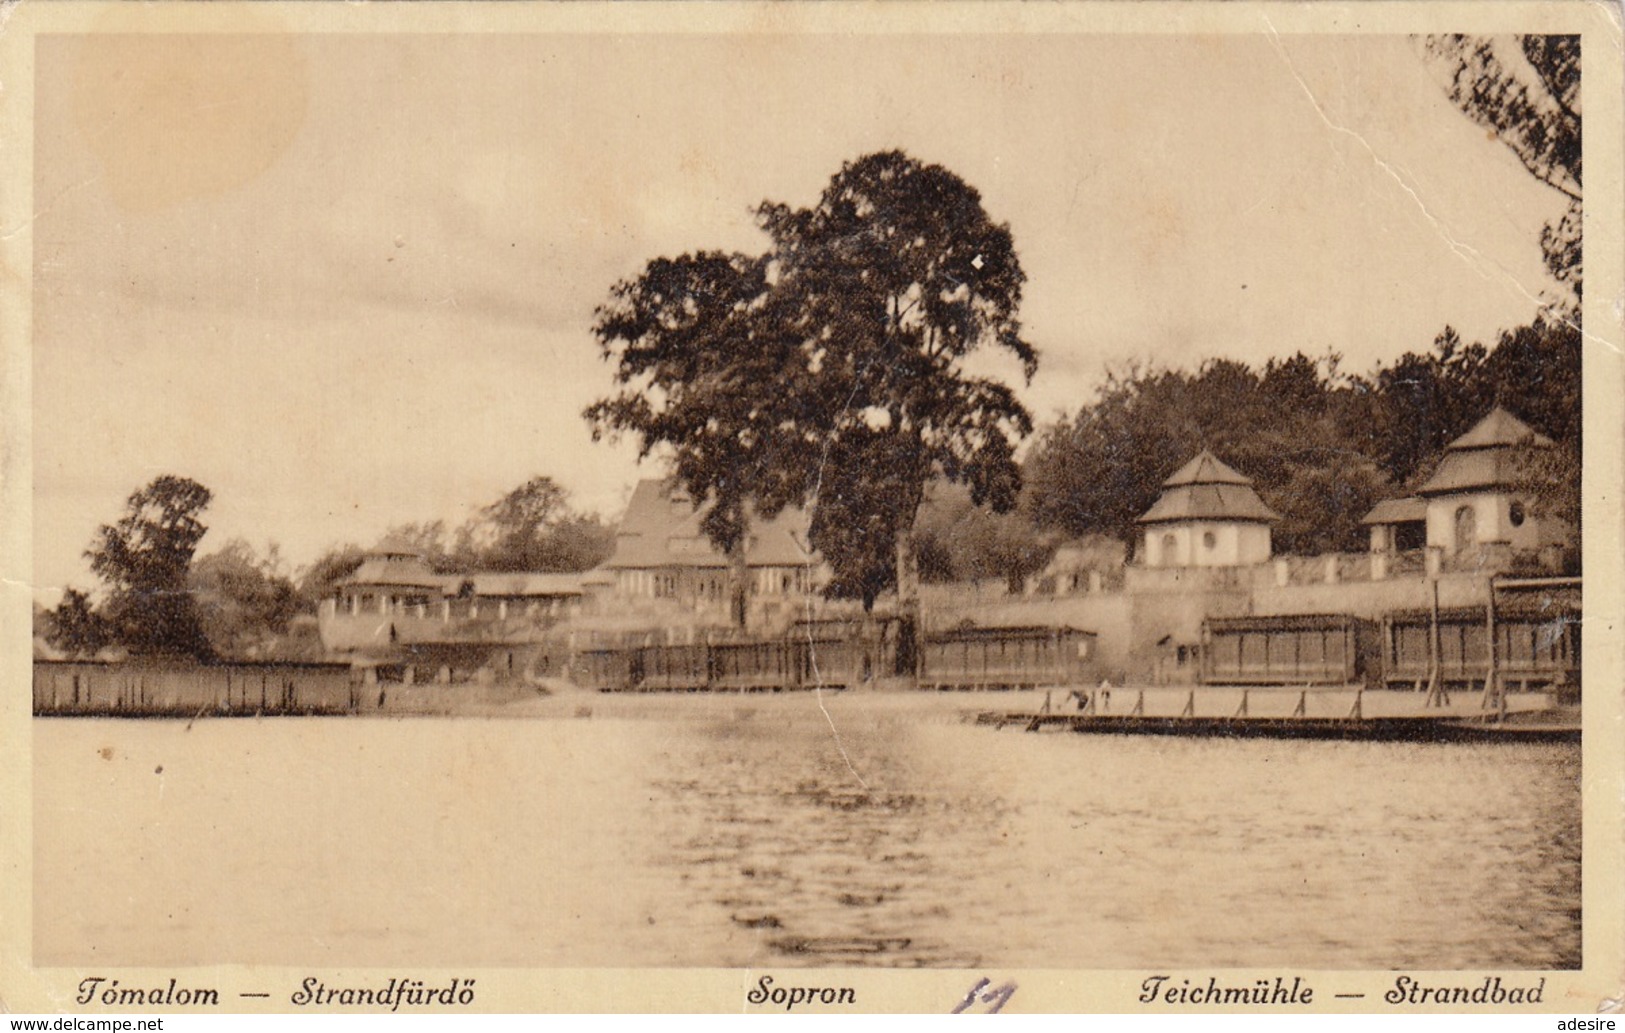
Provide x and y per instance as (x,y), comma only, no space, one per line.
(396,609)
(661,553)
(1475,498)
(1208,515)
(392,578)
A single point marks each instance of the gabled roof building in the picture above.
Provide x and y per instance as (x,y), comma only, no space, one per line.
(661,552)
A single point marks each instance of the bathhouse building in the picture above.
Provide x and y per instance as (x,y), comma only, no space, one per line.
(661,552)
(1475,499)
(395,609)
(1208,515)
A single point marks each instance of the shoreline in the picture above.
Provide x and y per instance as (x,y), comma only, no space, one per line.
(560,700)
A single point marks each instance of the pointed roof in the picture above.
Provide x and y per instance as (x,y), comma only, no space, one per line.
(395,545)
(1484,458)
(661,528)
(394,569)
(1500,429)
(1205,468)
(1207,489)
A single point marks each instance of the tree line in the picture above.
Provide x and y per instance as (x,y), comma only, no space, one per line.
(157,598)
(1322,446)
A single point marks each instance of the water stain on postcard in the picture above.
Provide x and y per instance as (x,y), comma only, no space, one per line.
(177,117)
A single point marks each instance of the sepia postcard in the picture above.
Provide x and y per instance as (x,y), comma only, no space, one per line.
(812,508)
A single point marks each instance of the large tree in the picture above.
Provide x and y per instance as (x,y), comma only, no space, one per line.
(832,369)
(144,559)
(704,367)
(891,281)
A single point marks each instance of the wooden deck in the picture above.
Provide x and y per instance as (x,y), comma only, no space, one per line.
(1561,724)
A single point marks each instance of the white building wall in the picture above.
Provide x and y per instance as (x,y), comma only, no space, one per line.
(1167,545)
(1253,544)
(1206,544)
(1490,515)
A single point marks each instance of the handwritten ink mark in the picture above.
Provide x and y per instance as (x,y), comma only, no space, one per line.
(995,998)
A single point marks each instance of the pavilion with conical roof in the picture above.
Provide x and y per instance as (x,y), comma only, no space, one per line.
(392,573)
(1208,515)
(1475,496)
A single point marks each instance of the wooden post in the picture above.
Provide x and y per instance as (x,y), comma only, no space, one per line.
(1494,691)
(1242,710)
(1302,709)
(1190,706)
(1358,713)
(1436,693)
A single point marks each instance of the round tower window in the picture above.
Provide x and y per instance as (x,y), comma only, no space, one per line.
(1516,514)
(1209,540)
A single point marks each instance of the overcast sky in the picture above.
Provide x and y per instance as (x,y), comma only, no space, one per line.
(348,281)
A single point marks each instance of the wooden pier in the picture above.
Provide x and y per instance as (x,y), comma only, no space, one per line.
(1491,725)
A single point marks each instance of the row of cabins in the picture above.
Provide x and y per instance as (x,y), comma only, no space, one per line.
(842,654)
(1525,638)
(1205,557)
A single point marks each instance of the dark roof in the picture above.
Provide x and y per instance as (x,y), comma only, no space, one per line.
(1207,489)
(1473,470)
(1410,509)
(1210,502)
(1205,468)
(395,569)
(661,528)
(1500,429)
(395,545)
(1484,457)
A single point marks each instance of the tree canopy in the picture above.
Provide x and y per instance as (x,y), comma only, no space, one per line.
(829,371)
(1295,427)
(704,366)
(892,279)
(1322,446)
(245,602)
(144,560)
(532,528)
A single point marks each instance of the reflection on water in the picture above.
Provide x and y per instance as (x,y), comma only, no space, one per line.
(869,831)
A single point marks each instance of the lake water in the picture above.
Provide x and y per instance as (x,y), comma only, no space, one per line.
(786,830)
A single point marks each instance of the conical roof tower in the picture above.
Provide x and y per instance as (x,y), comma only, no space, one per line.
(1208,515)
